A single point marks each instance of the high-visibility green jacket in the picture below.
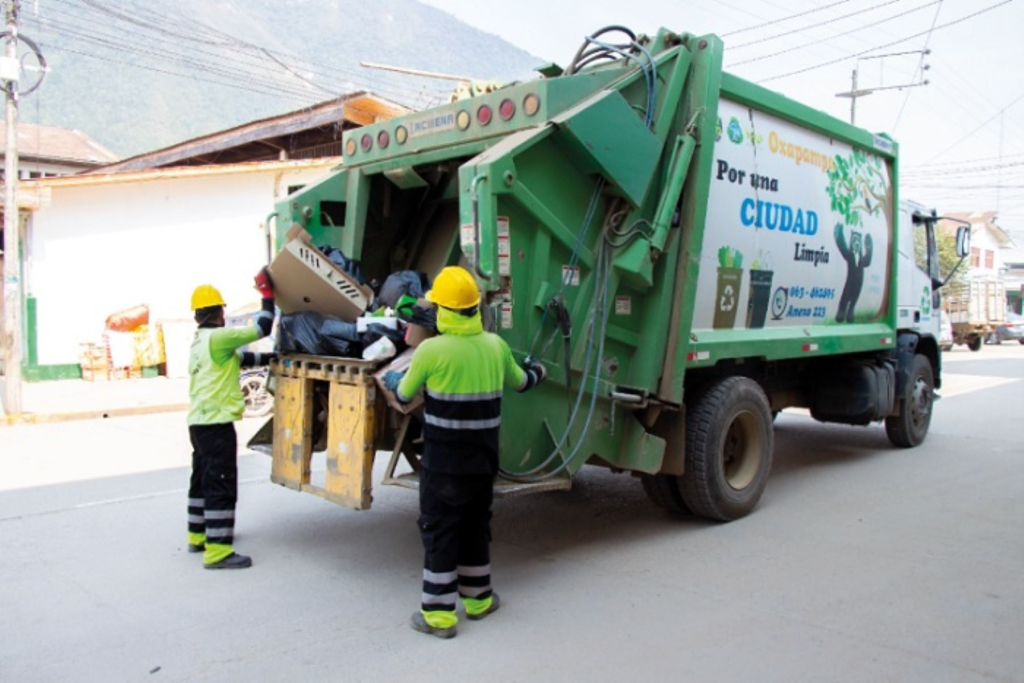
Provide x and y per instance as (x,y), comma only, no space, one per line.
(214,367)
(464,370)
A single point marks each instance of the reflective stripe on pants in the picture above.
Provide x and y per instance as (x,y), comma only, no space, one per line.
(455,525)
(214,484)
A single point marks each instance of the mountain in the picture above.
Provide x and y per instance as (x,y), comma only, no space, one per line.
(138,76)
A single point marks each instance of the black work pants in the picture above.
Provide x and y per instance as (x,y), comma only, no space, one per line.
(455,524)
(213,489)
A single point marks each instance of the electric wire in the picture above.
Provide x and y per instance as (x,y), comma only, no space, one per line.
(920,66)
(802,29)
(886,45)
(787,18)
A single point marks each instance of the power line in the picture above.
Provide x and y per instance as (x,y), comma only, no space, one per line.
(890,44)
(225,41)
(983,124)
(838,35)
(826,22)
(781,19)
(920,65)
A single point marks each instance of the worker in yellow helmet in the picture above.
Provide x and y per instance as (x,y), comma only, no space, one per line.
(464,370)
(216,403)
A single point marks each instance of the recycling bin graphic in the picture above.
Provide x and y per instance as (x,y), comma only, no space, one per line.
(727,298)
(757,300)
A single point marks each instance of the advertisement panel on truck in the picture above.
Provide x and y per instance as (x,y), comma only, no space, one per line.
(799,228)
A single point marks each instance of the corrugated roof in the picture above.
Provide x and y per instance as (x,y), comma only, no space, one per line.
(49,143)
(358,108)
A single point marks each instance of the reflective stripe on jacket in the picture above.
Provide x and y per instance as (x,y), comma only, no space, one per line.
(464,371)
(213,367)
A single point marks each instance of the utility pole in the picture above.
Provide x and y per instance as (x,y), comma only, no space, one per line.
(12,250)
(854,93)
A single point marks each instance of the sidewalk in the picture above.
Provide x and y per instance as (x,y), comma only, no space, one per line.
(77,399)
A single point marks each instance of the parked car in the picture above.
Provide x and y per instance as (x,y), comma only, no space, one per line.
(945,332)
(1011,330)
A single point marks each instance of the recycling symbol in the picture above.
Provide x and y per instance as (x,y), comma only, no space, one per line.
(728,301)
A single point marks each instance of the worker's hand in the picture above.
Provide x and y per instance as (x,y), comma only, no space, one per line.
(263,283)
(537,368)
(392,378)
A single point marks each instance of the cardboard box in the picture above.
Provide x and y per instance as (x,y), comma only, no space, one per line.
(306,280)
(400,363)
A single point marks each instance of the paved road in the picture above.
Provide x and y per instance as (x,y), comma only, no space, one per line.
(863,563)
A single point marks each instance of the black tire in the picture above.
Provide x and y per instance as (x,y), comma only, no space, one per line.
(974,344)
(729,442)
(910,427)
(1020,341)
(663,491)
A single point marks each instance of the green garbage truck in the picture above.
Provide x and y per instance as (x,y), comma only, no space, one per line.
(687,252)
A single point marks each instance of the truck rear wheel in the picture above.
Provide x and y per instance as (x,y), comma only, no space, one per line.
(729,443)
(910,427)
(974,344)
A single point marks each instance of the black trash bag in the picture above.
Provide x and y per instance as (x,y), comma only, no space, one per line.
(401,283)
(317,335)
(375,331)
(424,317)
(338,258)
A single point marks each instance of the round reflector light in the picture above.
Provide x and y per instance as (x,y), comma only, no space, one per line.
(531,104)
(484,114)
(507,109)
(366,142)
(462,119)
(401,135)
(383,139)
(350,146)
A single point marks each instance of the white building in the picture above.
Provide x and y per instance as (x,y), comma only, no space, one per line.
(148,229)
(993,252)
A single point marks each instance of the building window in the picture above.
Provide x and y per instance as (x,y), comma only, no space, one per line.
(975,257)
(990,259)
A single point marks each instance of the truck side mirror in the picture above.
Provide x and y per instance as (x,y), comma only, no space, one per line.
(963,241)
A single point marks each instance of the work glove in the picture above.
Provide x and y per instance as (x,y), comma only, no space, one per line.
(263,283)
(537,368)
(392,378)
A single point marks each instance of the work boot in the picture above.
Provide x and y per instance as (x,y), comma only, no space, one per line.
(419,623)
(495,604)
(232,561)
(196,547)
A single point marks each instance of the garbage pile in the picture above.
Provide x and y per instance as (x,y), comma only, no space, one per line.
(129,345)
(328,308)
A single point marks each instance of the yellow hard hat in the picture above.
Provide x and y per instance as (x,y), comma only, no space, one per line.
(455,288)
(206,296)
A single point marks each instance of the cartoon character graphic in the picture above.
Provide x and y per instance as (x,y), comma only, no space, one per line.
(858,257)
(735,132)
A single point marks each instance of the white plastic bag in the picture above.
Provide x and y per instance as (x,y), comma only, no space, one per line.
(381,349)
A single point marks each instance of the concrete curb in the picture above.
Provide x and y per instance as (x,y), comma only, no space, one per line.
(130,411)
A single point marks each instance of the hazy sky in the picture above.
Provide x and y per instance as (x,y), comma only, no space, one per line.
(951,131)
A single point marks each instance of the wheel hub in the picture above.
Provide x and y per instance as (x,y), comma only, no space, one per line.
(920,404)
(742,451)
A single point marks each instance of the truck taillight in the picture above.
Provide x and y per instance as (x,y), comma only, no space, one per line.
(507,109)
(531,104)
(366,142)
(350,146)
(383,139)
(401,135)
(462,119)
(484,114)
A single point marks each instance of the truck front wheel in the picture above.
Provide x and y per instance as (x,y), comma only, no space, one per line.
(910,427)
(729,444)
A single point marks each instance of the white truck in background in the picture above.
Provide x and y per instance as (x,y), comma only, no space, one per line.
(976,308)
